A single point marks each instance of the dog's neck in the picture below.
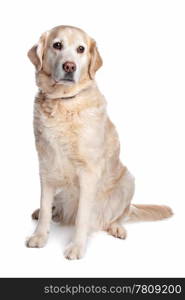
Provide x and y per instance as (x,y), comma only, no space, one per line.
(51,90)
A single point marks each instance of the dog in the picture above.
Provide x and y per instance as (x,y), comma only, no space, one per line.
(83,181)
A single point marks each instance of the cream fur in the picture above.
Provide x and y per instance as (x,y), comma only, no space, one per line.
(78,147)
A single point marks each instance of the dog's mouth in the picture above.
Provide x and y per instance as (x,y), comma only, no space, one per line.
(65,81)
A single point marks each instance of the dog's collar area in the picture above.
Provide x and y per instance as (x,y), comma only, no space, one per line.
(72,96)
(67,98)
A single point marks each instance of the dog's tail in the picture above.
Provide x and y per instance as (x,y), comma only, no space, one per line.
(142,212)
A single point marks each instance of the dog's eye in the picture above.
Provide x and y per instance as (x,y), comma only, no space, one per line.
(57,45)
(80,49)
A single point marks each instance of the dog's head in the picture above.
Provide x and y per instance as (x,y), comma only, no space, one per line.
(67,55)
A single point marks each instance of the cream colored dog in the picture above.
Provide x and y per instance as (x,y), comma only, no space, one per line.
(82,179)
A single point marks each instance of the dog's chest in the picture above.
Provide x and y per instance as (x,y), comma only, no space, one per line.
(57,133)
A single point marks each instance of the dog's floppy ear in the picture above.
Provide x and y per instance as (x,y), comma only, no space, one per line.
(35,54)
(95,59)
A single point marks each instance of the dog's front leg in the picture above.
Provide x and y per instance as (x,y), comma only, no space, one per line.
(40,236)
(88,189)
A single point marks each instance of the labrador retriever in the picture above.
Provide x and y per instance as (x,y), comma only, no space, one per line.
(83,181)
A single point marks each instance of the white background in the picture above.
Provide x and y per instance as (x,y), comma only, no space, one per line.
(143,47)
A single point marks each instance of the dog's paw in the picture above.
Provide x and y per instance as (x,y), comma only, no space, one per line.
(37,241)
(74,251)
(117,231)
(35,214)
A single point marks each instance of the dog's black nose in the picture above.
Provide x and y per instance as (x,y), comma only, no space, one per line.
(69,67)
